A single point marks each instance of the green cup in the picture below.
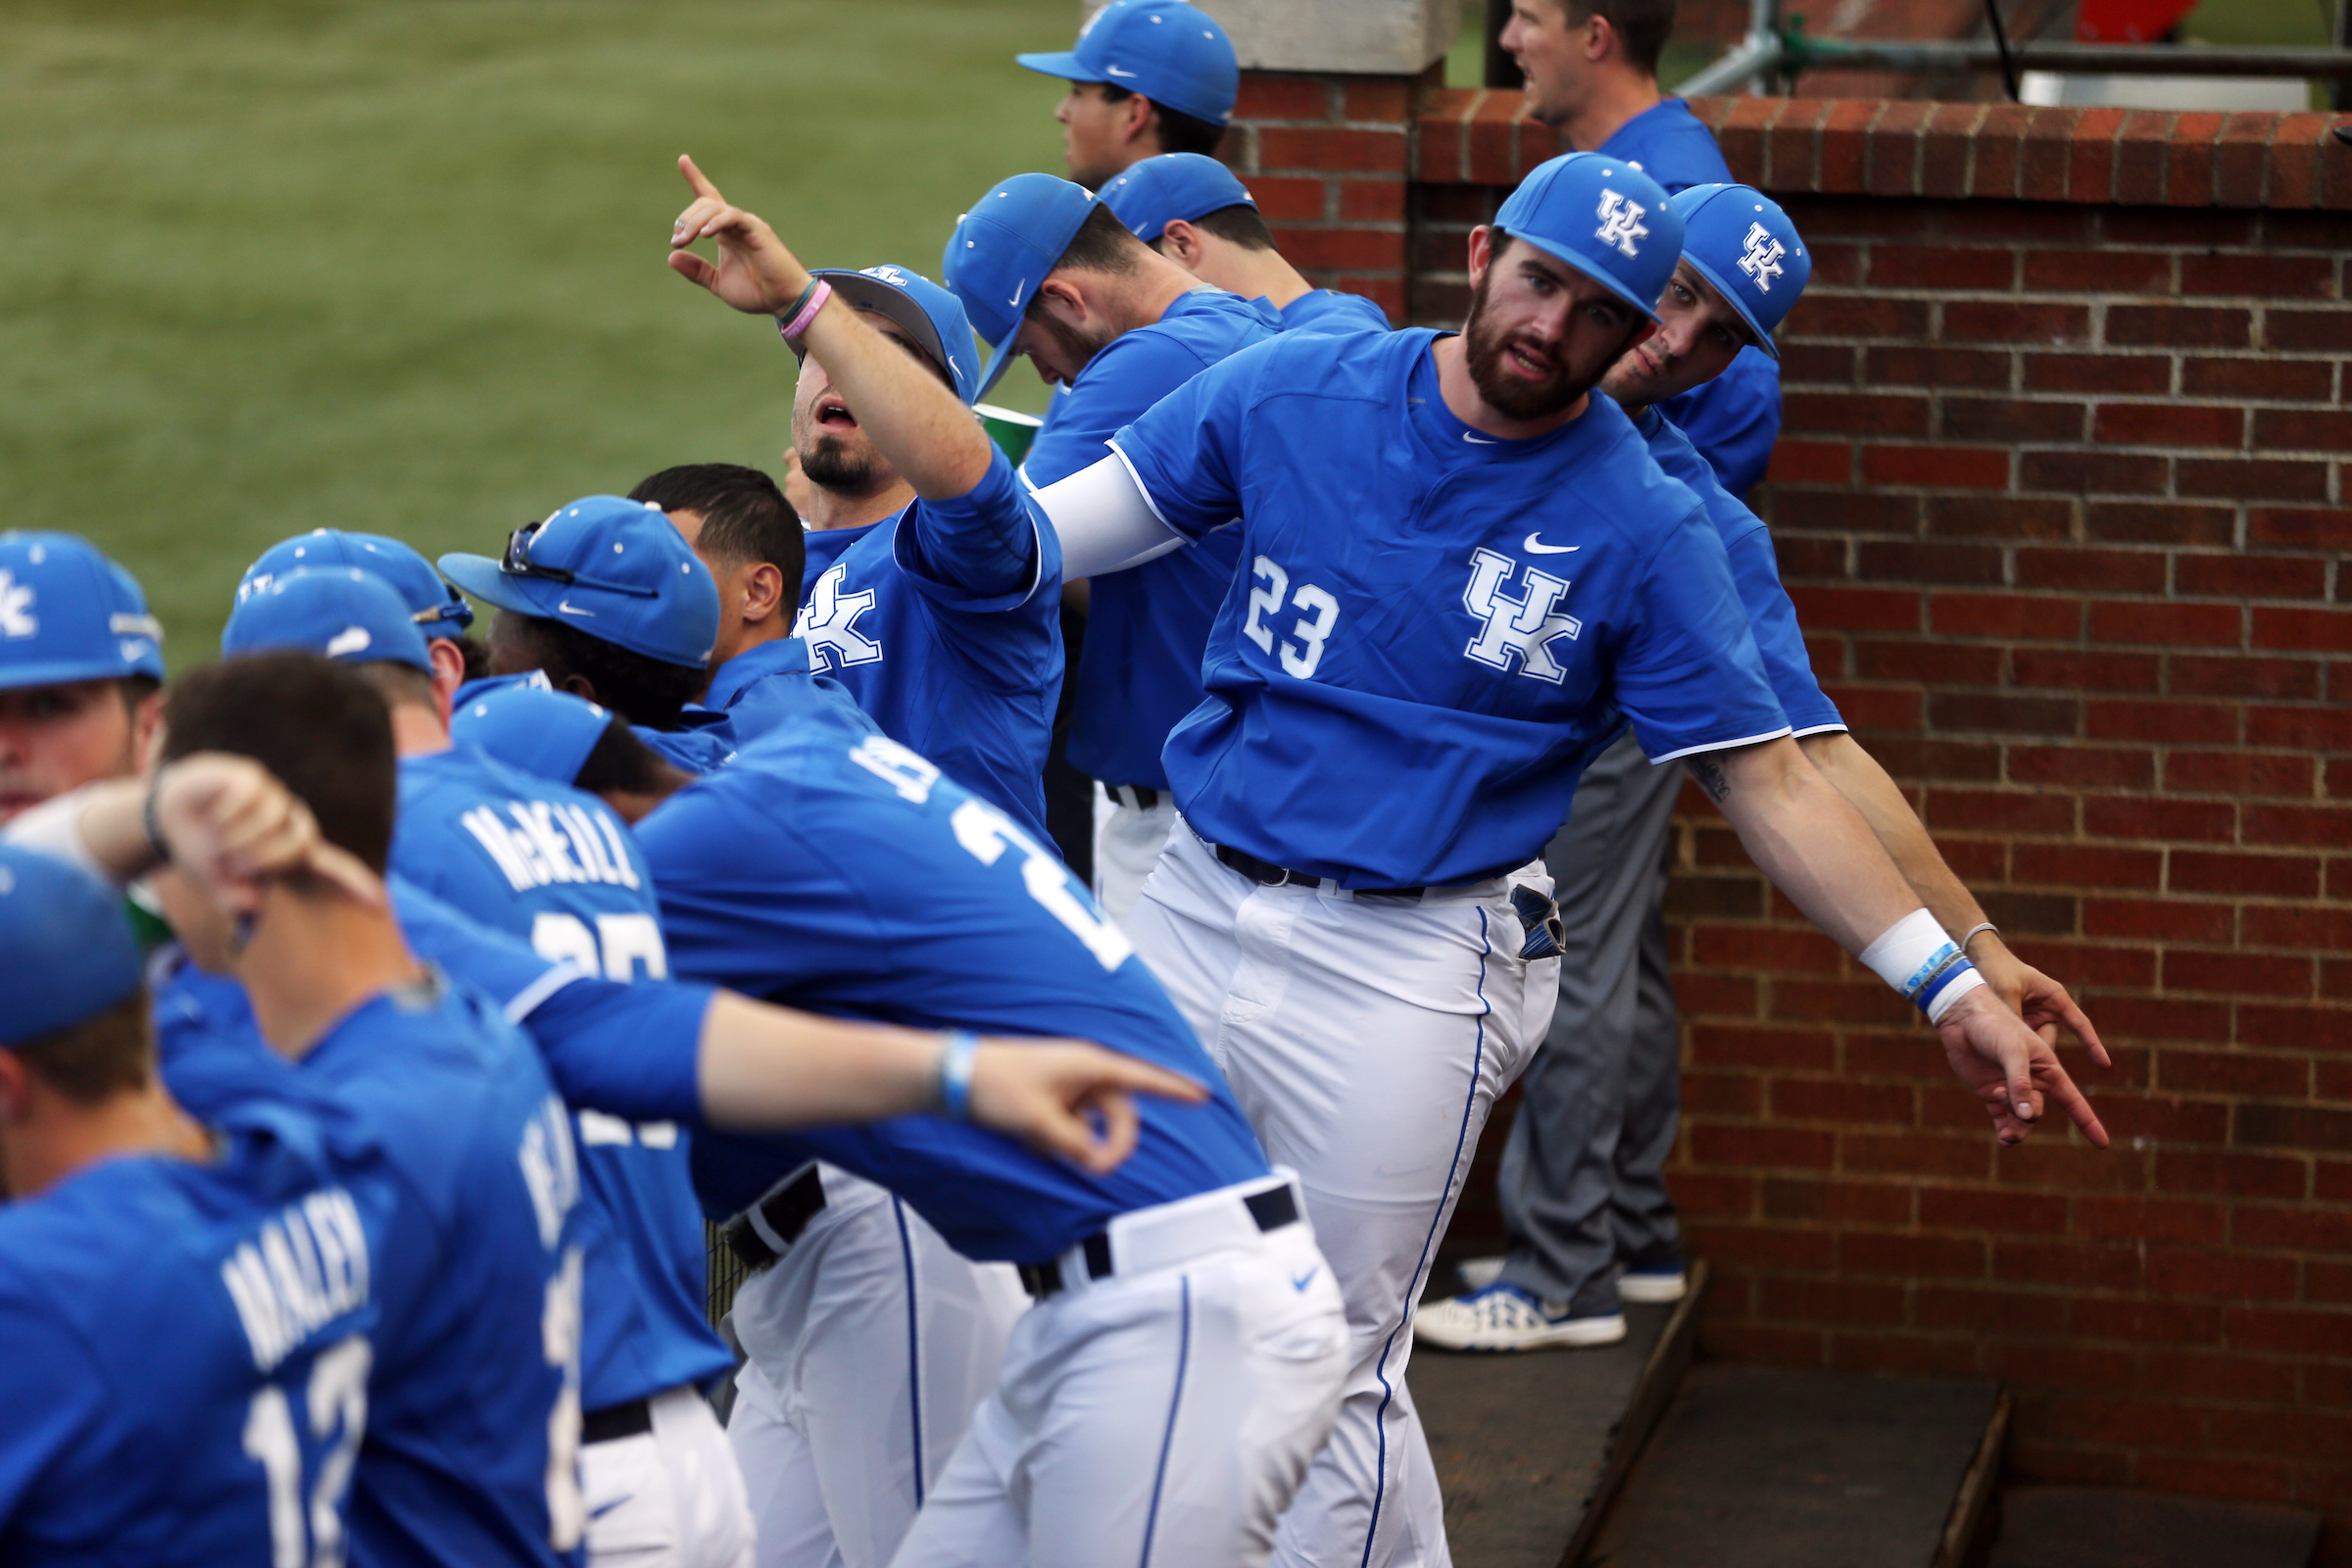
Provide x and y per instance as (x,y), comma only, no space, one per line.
(1008,429)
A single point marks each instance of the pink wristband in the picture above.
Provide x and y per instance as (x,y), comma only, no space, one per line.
(806,314)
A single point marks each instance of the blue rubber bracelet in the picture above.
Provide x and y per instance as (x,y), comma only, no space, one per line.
(956,1073)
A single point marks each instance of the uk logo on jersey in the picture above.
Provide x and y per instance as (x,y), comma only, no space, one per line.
(1761,262)
(16,609)
(1522,628)
(829,624)
(1620,222)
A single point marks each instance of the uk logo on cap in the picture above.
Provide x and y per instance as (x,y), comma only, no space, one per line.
(1620,222)
(1761,261)
(16,609)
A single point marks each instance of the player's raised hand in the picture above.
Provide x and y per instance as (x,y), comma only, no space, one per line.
(754,271)
(231,825)
(1067,1097)
(2012,1069)
(2040,1001)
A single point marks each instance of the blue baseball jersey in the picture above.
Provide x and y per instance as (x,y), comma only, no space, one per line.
(1139,670)
(553,867)
(473,1411)
(770,684)
(1434,630)
(945,624)
(851,877)
(1747,541)
(701,741)
(1328,310)
(188,1351)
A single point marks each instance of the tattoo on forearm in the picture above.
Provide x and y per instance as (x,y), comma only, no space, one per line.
(1711,777)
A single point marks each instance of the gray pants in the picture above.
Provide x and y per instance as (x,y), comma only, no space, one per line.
(1582,1185)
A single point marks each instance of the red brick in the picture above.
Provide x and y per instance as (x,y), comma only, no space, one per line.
(2251,576)
(2323,826)
(2310,528)
(2157,919)
(1830,1301)
(1963,1159)
(1737,1096)
(2123,621)
(2308,331)
(2299,1230)
(1370,250)
(2129,571)
(1943,268)
(2179,1375)
(2240,675)
(2188,171)
(1991,1208)
(2064,669)
(2003,517)
(2270,927)
(2142,1218)
(2317,729)
(1766,1148)
(1913,1256)
(1741,135)
(1936,468)
(2011,420)
(2095,472)
(2236,773)
(2077,1264)
(1807,1198)
(1946,662)
(1915,560)
(2168,425)
(2113,817)
(2266,277)
(1765,1247)
(2278,876)
(2288,1330)
(1998,150)
(2246,1480)
(2141,147)
(1390,101)
(1845,316)
(2303,430)
(1330,151)
(1940,367)
(2293,1026)
(1792,146)
(2100,271)
(2078,766)
(1859,608)
(2099,373)
(1883,139)
(2179,326)
(1287,199)
(1266,95)
(1795,462)
(2151,522)
(2300,380)
(2193,723)
(2213,228)
(2252,479)
(2236,974)
(1761,946)
(2302,631)
(1943,149)
(2020,322)
(2214,1175)
(2165,1018)
(1372,201)
(2003,811)
(1844,146)
(1847,1104)
(2089,866)
(1854,414)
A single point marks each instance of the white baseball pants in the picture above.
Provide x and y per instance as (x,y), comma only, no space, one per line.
(1366,1039)
(1162,1415)
(870,1342)
(671,1497)
(1127,846)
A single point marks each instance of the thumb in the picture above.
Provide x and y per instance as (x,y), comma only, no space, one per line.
(693,267)
(349,872)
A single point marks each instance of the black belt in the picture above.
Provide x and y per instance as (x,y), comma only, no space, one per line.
(1272,1209)
(1141,797)
(787,1210)
(1266,874)
(629,1419)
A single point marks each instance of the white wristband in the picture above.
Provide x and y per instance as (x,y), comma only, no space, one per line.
(1916,958)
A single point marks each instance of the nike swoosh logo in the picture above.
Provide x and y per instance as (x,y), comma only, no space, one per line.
(599,1513)
(569,608)
(1116,71)
(1534,543)
(1015,301)
(1478,440)
(1306,1279)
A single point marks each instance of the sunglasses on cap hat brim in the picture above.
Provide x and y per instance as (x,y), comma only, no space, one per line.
(517,562)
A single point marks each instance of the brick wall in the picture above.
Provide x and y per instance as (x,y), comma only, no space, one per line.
(2063,498)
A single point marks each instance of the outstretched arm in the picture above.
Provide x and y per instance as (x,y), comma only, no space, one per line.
(1820,852)
(1855,774)
(1104,521)
(929,436)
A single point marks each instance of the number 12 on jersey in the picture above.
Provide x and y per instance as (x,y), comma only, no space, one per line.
(1317,611)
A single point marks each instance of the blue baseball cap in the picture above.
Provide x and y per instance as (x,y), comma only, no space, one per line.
(432,604)
(65,947)
(922,310)
(547,734)
(1157,191)
(1602,217)
(67,613)
(1001,250)
(613,567)
(340,611)
(1739,240)
(1172,52)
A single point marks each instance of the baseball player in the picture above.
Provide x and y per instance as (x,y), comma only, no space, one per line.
(1192,210)
(1409,505)
(742,529)
(609,603)
(1146,77)
(930,593)
(555,868)
(81,667)
(1582,1185)
(170,1398)
(1591,69)
(1046,270)
(470,1401)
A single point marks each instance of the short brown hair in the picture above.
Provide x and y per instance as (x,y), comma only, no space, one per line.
(1102,244)
(1176,130)
(745,520)
(1238,224)
(108,1054)
(1643,27)
(319,726)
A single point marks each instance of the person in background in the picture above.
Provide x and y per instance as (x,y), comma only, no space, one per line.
(1146,77)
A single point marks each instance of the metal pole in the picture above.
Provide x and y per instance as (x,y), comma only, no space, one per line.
(2341,97)
(1763,23)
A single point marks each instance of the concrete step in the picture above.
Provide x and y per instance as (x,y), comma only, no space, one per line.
(1763,1467)
(2088,1527)
(1527,1444)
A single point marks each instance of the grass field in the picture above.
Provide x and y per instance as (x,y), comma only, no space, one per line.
(397,265)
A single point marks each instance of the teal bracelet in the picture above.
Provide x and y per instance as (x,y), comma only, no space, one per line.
(956,1073)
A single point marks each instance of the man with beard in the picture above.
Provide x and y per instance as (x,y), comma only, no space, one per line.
(1046,270)
(1462,575)
(81,668)
(937,608)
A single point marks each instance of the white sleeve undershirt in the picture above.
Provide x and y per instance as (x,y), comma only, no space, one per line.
(1104,521)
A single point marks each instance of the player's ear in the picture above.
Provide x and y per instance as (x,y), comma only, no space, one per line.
(762,591)
(13,1088)
(146,729)
(1137,118)
(1600,38)
(1481,252)
(1063,298)
(1180,242)
(449,673)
